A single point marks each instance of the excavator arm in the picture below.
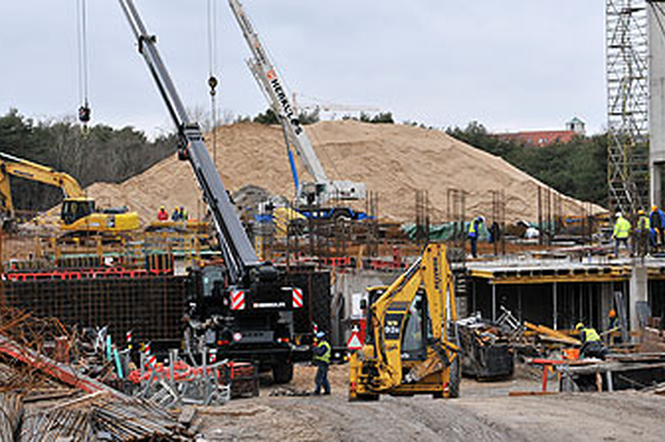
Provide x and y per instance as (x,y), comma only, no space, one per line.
(425,289)
(79,213)
(18,167)
(10,165)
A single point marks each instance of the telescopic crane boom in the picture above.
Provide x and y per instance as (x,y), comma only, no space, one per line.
(322,189)
(241,308)
(236,247)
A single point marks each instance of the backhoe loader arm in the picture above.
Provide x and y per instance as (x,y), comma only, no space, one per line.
(10,165)
(390,311)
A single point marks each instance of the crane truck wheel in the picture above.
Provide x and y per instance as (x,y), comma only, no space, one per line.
(282,373)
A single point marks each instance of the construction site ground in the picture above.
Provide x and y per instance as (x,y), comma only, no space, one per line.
(484,412)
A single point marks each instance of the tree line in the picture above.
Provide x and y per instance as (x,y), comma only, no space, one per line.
(577,168)
(98,154)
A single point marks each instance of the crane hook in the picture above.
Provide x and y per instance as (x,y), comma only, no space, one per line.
(212,82)
(84,114)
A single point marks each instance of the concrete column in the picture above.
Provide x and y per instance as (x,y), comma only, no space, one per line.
(606,303)
(639,287)
(493,302)
(656,106)
(555,312)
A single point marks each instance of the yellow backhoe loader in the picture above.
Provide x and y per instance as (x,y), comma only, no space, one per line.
(409,343)
(79,213)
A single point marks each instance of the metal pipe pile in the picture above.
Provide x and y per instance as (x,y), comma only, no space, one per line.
(134,421)
(60,424)
(11,410)
(103,420)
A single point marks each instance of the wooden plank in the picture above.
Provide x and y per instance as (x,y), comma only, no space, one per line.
(531,393)
(543,330)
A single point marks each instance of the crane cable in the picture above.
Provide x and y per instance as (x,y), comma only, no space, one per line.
(212,67)
(658,14)
(82,41)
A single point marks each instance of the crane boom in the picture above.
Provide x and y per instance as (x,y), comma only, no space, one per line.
(273,89)
(236,247)
(271,84)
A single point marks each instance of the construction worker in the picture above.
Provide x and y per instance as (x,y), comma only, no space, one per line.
(592,346)
(475,229)
(621,233)
(322,354)
(613,329)
(613,319)
(642,233)
(162,215)
(657,219)
(176,215)
(183,214)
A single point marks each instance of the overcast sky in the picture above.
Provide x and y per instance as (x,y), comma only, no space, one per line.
(513,64)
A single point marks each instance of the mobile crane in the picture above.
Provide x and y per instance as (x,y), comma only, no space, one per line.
(79,213)
(409,344)
(322,189)
(239,308)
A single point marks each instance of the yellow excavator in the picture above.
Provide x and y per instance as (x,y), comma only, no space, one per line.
(410,341)
(79,213)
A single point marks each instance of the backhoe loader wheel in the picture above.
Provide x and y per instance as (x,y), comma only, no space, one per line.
(365,398)
(455,377)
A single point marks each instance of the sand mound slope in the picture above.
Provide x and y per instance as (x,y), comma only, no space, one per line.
(394,160)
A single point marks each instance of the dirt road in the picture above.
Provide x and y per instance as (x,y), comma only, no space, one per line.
(483,415)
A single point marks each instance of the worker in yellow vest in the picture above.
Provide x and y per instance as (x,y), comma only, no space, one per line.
(621,233)
(642,233)
(322,355)
(592,345)
(475,230)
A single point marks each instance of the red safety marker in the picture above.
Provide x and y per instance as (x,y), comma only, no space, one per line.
(354,342)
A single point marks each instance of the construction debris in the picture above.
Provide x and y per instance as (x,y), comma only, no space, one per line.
(43,399)
(487,353)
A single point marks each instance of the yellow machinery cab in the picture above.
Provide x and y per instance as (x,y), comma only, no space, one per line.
(81,215)
(410,345)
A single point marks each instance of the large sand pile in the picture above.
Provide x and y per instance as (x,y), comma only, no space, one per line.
(394,160)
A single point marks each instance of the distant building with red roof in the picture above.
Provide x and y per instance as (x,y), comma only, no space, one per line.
(575,127)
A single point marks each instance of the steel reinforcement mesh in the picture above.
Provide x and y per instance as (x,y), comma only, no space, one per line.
(151,307)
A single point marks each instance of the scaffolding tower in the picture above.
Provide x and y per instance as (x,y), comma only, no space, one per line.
(627,105)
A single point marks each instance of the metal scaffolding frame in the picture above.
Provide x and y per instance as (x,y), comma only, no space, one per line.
(627,104)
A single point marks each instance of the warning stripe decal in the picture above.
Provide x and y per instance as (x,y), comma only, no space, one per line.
(297,298)
(238,300)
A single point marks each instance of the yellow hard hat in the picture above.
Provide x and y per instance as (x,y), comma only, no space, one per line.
(579,326)
(640,212)
(161,207)
(654,208)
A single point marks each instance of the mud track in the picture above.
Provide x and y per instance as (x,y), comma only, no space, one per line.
(485,414)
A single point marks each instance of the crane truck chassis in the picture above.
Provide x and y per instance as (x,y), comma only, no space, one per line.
(409,345)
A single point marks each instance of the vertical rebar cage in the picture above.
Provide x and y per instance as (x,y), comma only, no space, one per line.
(627,104)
